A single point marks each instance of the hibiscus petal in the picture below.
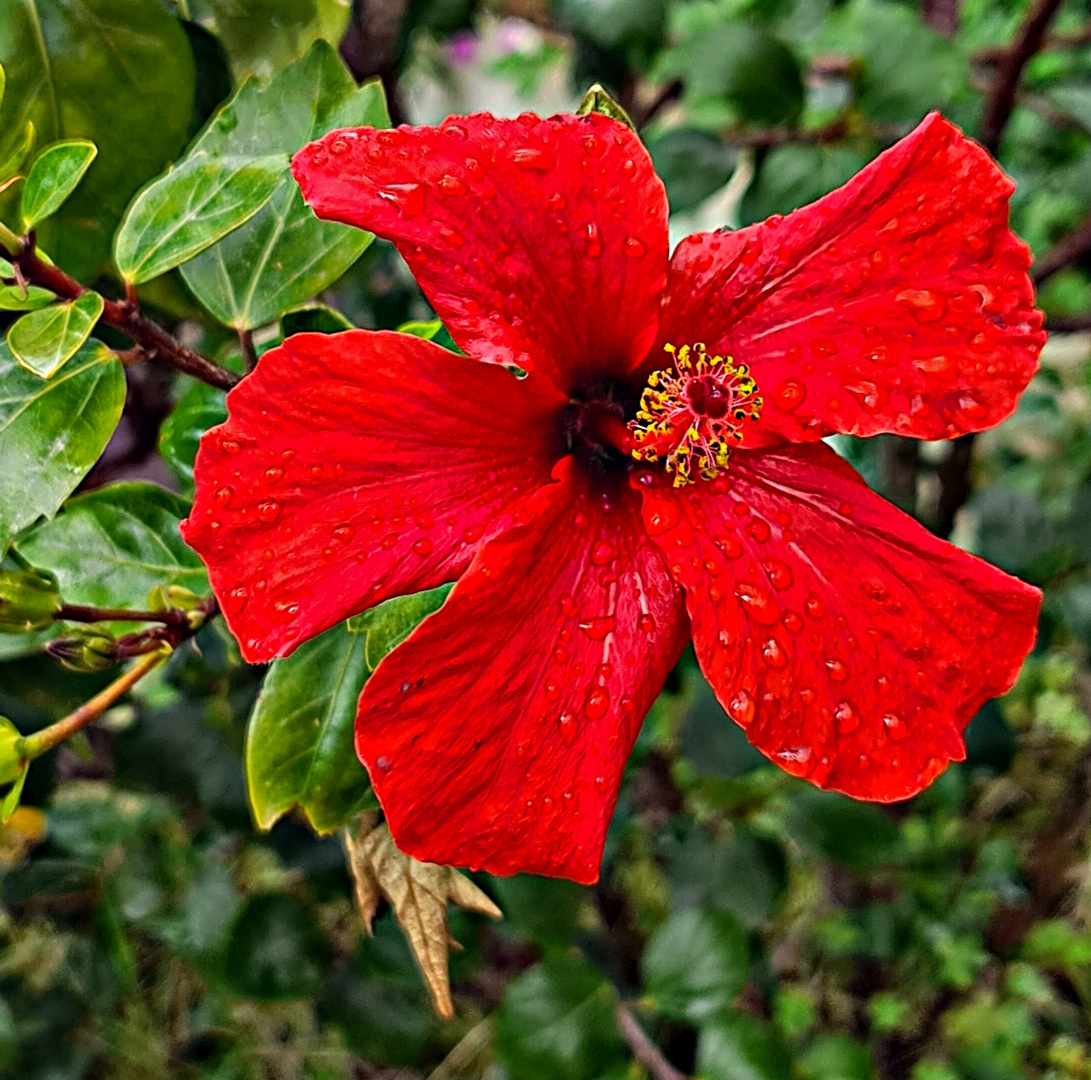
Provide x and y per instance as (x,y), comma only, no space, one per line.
(540,243)
(354,467)
(496,735)
(899,302)
(851,644)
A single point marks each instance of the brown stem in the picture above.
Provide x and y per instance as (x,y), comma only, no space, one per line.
(666,95)
(153,339)
(954,482)
(1075,40)
(86,614)
(1069,249)
(1001,99)
(644,1050)
(837,131)
(246,346)
(37,744)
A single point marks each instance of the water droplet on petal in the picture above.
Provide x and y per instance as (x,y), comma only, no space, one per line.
(792,622)
(757,603)
(838,671)
(635,248)
(779,574)
(408,198)
(592,244)
(423,546)
(661,516)
(269,511)
(602,553)
(567,723)
(741,708)
(895,726)
(236,599)
(598,701)
(773,654)
(927,306)
(224,496)
(273,475)
(816,606)
(451,185)
(789,395)
(533,159)
(552,690)
(846,718)
(599,627)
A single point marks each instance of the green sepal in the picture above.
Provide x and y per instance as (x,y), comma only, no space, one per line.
(596,100)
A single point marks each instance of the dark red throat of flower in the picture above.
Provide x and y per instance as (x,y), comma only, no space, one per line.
(692,414)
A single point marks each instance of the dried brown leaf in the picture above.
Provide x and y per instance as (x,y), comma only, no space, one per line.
(418,893)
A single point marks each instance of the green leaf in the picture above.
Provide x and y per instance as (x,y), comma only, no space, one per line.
(11,159)
(116,72)
(693,165)
(597,100)
(263,36)
(850,833)
(277,950)
(557,1022)
(53,177)
(792,176)
(550,911)
(283,256)
(113,546)
(742,65)
(45,340)
(903,69)
(17,298)
(385,627)
(426,330)
(736,1046)
(696,963)
(299,744)
(836,1057)
(189,209)
(52,433)
(198,409)
(313,318)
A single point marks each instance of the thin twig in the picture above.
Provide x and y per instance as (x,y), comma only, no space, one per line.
(993,54)
(126,317)
(1001,100)
(1069,249)
(644,1050)
(37,744)
(666,95)
(837,131)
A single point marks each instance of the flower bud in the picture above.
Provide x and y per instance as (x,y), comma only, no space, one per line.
(11,757)
(29,600)
(87,650)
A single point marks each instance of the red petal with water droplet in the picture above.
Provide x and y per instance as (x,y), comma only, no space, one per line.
(851,644)
(354,467)
(899,302)
(520,232)
(496,735)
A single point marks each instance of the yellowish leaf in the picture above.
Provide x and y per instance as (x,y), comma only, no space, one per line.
(418,893)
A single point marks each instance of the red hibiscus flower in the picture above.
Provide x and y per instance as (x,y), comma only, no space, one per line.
(653,473)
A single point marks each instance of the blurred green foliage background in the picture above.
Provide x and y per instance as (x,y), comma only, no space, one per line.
(752,927)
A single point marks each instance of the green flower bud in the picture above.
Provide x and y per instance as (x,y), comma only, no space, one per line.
(11,756)
(29,600)
(87,650)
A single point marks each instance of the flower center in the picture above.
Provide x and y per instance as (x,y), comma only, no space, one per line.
(692,414)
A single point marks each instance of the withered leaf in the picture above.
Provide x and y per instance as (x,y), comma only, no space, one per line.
(419,893)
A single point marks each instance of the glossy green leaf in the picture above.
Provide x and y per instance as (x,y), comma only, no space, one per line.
(299,745)
(51,433)
(53,177)
(18,298)
(385,627)
(46,339)
(692,165)
(695,963)
(190,208)
(113,546)
(283,256)
(12,158)
(116,72)
(736,1046)
(557,1022)
(313,318)
(263,36)
(199,408)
